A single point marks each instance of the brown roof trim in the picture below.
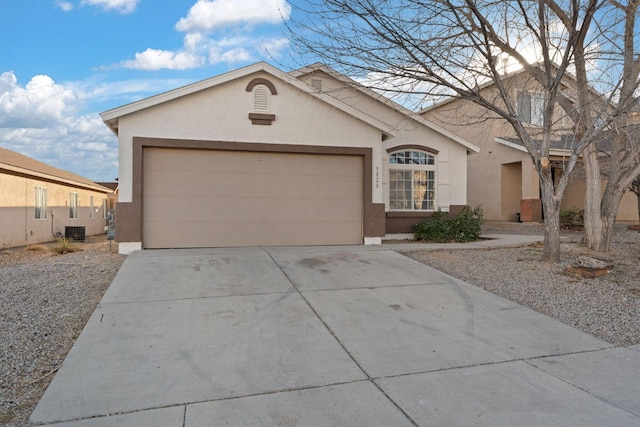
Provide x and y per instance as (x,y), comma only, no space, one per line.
(52,180)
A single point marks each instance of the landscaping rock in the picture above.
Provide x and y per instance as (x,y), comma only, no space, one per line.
(590,267)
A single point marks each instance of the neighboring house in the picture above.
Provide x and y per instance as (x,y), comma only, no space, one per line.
(502,178)
(39,202)
(257,156)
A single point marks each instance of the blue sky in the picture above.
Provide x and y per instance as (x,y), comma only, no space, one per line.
(64,61)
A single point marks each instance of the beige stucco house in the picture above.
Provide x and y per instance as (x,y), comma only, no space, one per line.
(39,202)
(258,156)
(502,178)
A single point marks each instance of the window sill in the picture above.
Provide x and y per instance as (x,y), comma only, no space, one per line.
(408,214)
(261,119)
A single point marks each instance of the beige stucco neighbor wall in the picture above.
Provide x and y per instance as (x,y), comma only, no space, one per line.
(485,184)
(17,211)
(485,173)
(574,198)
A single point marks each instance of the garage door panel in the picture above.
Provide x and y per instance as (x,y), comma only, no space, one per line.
(209,198)
(197,184)
(164,235)
(267,210)
(256,163)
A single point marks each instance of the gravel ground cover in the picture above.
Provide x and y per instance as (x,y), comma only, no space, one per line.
(45,301)
(607,307)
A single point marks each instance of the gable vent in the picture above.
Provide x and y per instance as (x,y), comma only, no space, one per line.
(316,84)
(261,100)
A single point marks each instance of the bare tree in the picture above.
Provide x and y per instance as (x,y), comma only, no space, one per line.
(635,189)
(619,57)
(444,48)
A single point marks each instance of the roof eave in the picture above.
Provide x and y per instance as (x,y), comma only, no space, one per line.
(471,148)
(111,117)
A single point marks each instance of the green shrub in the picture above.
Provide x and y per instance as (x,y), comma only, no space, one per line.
(571,218)
(464,227)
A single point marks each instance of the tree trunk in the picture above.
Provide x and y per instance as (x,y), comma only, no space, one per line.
(592,216)
(609,210)
(551,250)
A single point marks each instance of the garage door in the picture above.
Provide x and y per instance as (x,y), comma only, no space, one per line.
(210,198)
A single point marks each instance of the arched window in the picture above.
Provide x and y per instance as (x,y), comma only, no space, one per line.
(412,181)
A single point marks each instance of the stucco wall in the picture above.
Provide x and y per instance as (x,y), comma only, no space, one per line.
(221,113)
(17,211)
(451,172)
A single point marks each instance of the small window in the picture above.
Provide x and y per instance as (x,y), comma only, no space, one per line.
(104,208)
(531,108)
(90,207)
(73,205)
(261,99)
(41,203)
(412,181)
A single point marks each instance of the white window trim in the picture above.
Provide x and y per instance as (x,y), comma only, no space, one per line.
(412,167)
(74,205)
(41,203)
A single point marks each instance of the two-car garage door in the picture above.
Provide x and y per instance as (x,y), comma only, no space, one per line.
(213,198)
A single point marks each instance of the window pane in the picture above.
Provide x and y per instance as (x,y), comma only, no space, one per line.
(400,189)
(73,205)
(524,107)
(40,203)
(537,110)
(419,189)
(431,160)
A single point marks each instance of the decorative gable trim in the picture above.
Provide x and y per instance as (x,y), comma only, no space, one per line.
(261,81)
(261,119)
(412,147)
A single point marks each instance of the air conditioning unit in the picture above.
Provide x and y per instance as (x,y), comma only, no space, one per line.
(77,234)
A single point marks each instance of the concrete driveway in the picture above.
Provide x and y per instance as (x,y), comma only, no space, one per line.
(327,336)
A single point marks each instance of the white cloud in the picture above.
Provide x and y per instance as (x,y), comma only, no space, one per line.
(121,6)
(206,15)
(82,145)
(65,5)
(37,105)
(38,120)
(237,54)
(200,48)
(274,47)
(154,59)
